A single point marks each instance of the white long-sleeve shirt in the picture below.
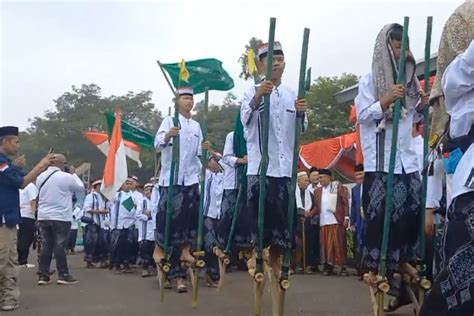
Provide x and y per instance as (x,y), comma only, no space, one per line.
(229,163)
(76,217)
(145,223)
(376,146)
(55,197)
(94,201)
(281,137)
(155,200)
(190,139)
(120,216)
(458,87)
(328,207)
(27,195)
(214,189)
(417,144)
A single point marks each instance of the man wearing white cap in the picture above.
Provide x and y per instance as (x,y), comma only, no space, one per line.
(122,218)
(304,203)
(285,107)
(185,188)
(331,206)
(94,209)
(146,235)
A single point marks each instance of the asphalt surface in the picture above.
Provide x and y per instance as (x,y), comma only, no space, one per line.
(100,292)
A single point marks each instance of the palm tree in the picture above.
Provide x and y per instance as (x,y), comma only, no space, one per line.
(254,43)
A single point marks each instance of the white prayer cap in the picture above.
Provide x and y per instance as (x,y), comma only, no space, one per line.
(148,185)
(263,50)
(186,91)
(302,174)
(96,182)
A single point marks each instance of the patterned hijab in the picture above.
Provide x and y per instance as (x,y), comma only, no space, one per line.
(385,70)
(457,34)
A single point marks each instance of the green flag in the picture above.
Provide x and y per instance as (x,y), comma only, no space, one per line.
(128,204)
(131,133)
(203,73)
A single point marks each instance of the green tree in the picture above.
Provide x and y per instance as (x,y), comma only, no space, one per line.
(220,120)
(254,43)
(82,110)
(326,117)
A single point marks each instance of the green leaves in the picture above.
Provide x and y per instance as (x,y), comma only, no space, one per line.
(327,118)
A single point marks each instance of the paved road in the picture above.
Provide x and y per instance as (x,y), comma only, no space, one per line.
(100,292)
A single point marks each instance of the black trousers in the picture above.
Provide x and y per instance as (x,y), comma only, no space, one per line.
(312,245)
(26,233)
(71,243)
(54,236)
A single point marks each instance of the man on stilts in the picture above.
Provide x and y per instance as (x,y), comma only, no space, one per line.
(284,108)
(453,289)
(185,190)
(377,93)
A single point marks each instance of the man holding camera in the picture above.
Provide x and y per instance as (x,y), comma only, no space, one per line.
(56,188)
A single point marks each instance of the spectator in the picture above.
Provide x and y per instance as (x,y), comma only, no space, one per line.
(55,208)
(12,179)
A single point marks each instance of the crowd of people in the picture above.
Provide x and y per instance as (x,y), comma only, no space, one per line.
(134,228)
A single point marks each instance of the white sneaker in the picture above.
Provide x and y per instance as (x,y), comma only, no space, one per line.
(10,307)
(27,266)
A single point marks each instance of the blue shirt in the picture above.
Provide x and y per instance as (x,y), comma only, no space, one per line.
(11,180)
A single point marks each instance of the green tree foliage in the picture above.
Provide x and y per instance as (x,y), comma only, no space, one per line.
(326,117)
(254,43)
(220,120)
(82,110)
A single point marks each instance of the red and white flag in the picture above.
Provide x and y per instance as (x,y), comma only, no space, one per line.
(115,171)
(101,140)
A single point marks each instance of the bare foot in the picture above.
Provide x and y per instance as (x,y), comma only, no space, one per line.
(158,254)
(252,265)
(186,256)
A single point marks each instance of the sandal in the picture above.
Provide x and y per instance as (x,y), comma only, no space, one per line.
(182,288)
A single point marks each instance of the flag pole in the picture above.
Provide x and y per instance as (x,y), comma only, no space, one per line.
(166,77)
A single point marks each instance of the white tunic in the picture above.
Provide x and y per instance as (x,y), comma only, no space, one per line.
(281,136)
(190,139)
(417,144)
(214,189)
(27,195)
(155,200)
(121,217)
(328,207)
(145,223)
(94,201)
(229,163)
(436,185)
(376,146)
(458,87)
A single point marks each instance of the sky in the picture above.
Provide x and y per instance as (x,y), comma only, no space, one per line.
(48,47)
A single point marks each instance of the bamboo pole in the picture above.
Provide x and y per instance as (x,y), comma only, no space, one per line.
(426,134)
(174,171)
(199,253)
(393,153)
(299,120)
(259,271)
